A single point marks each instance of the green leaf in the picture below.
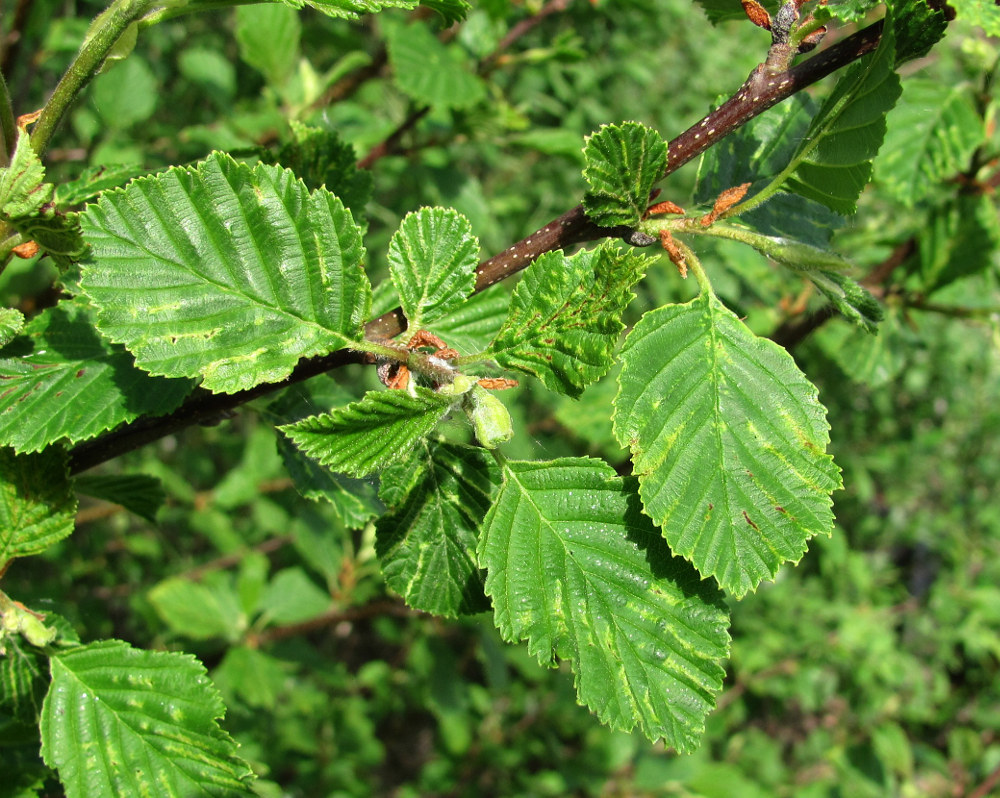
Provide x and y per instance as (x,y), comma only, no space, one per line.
(834,162)
(124,722)
(565,316)
(23,191)
(60,381)
(958,240)
(24,204)
(255,677)
(850,298)
(350,9)
(268,36)
(427,541)
(977,12)
(321,158)
(127,94)
(872,360)
(354,501)
(430,72)
(11,323)
(138,493)
(578,571)
(758,153)
(433,259)
(23,681)
(846,10)
(37,503)
(728,441)
(623,163)
(451,11)
(931,137)
(225,272)
(200,610)
(368,435)
(918,27)
(55,232)
(292,597)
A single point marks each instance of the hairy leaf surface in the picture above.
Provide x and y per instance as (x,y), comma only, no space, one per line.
(224,272)
(728,441)
(577,570)
(125,722)
(432,260)
(623,163)
(60,381)
(834,162)
(850,298)
(565,316)
(367,435)
(23,191)
(37,504)
(351,9)
(427,541)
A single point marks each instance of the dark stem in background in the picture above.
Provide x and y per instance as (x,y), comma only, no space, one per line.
(572,228)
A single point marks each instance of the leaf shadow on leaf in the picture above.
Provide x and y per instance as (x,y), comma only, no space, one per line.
(663,563)
(79,338)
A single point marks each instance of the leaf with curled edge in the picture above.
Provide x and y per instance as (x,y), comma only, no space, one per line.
(427,540)
(565,316)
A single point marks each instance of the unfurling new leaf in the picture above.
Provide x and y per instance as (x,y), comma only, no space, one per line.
(565,316)
(623,163)
(432,260)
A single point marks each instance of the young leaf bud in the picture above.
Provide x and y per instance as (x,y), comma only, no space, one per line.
(490,418)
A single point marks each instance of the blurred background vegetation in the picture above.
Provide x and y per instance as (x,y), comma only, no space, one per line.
(870,669)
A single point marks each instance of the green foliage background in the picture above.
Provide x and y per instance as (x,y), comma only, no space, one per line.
(871,668)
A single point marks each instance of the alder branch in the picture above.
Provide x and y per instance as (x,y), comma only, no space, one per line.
(760,92)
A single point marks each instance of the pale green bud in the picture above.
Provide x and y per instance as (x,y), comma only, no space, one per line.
(490,418)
